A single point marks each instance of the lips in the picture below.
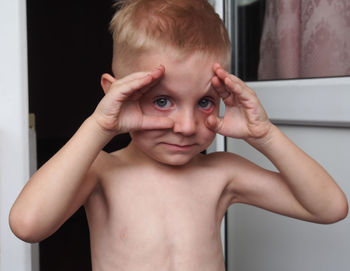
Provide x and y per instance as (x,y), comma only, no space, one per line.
(178,147)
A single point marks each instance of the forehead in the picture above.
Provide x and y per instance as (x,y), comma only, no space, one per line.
(191,73)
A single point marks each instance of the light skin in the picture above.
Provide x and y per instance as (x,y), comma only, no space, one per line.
(158,203)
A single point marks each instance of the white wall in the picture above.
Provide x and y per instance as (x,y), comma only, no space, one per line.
(263,241)
(14,150)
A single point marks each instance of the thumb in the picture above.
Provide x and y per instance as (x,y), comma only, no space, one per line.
(214,123)
(153,122)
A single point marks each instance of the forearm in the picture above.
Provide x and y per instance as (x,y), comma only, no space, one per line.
(308,181)
(302,188)
(57,189)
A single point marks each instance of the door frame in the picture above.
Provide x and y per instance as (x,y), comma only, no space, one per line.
(14,131)
(219,142)
(321,101)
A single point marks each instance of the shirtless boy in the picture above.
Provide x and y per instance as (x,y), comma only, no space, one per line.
(158,203)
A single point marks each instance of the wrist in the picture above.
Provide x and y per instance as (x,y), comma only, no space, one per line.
(265,142)
(100,133)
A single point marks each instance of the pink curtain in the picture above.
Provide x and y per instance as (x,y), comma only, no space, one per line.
(305,38)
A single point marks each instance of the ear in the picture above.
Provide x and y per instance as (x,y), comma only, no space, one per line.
(106,82)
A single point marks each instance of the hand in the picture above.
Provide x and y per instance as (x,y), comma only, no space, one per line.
(119,111)
(244,117)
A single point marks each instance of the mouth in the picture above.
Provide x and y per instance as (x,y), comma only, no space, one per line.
(177,147)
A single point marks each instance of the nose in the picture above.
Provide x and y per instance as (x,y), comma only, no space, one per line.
(185,122)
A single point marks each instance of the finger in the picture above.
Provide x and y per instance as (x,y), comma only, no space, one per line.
(154,122)
(138,83)
(222,74)
(226,95)
(243,93)
(123,92)
(214,123)
(156,77)
(157,72)
(216,66)
(129,78)
(219,84)
(220,87)
(235,85)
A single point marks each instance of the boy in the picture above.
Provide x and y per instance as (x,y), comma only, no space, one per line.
(158,203)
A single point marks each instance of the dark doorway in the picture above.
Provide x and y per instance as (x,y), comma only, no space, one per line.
(69,47)
(250,26)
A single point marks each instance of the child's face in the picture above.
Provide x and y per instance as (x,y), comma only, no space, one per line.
(185,94)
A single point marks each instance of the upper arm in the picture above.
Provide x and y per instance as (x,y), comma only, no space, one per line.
(41,209)
(254,185)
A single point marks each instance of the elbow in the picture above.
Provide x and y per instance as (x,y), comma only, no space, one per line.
(338,212)
(343,209)
(24,226)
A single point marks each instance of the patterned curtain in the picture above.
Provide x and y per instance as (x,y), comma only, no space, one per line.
(305,38)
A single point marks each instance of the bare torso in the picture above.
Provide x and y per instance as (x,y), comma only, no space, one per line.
(157,218)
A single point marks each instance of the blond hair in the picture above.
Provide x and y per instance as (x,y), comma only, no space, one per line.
(184,25)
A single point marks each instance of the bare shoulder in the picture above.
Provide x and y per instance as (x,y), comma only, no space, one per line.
(100,168)
(103,168)
(104,162)
(237,169)
(220,156)
(225,164)
(225,160)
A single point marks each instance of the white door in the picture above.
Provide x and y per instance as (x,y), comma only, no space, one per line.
(15,148)
(315,114)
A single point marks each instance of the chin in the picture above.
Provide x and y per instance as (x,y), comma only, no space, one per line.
(175,161)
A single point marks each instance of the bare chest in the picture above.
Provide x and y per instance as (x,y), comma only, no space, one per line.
(166,203)
(158,215)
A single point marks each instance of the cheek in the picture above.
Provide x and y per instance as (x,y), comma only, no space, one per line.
(144,135)
(204,134)
(146,139)
(209,135)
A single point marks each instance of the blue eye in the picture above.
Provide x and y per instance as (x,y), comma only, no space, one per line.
(205,103)
(162,102)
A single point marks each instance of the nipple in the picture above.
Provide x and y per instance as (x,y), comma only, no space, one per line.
(123,234)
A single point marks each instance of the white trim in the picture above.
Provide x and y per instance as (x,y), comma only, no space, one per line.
(14,153)
(220,146)
(246,2)
(219,7)
(323,101)
(219,142)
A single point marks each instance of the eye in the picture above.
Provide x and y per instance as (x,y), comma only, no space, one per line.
(205,103)
(162,102)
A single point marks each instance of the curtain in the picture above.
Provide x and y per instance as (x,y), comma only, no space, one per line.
(305,38)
